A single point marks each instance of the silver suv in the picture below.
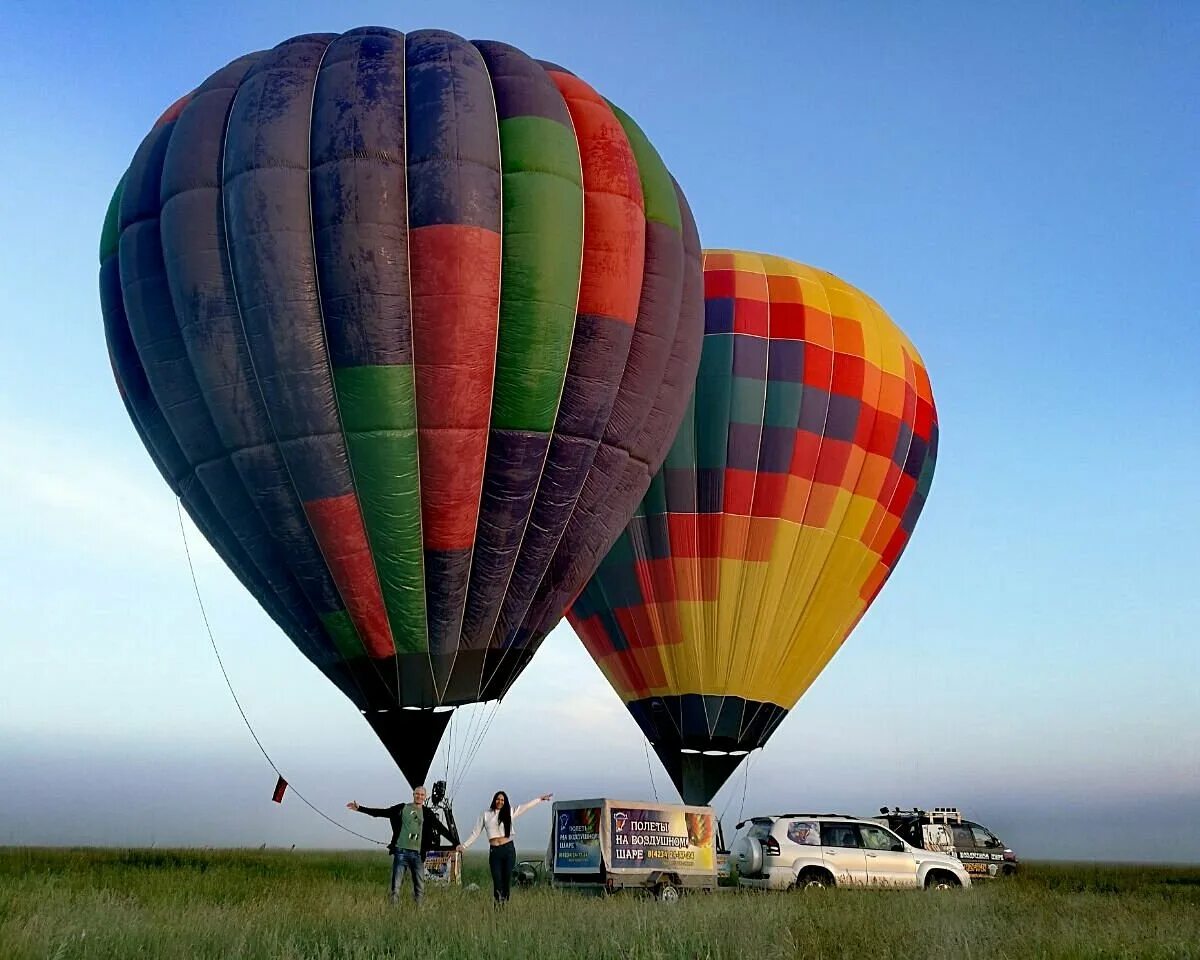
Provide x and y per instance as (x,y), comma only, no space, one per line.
(806,850)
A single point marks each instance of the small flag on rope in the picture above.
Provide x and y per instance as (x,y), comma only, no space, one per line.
(280,786)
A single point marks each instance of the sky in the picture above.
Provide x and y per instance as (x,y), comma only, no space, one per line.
(1014,183)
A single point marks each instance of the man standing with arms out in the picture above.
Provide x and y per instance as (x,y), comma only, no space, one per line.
(415,829)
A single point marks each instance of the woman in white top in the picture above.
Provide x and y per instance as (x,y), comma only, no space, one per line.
(496,821)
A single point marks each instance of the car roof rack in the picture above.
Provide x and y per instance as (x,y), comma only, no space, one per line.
(936,815)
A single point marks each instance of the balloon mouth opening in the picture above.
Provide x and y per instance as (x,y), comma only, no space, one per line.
(713,753)
(694,751)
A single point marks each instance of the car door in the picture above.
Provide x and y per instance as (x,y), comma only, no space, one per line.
(973,859)
(989,847)
(889,861)
(841,849)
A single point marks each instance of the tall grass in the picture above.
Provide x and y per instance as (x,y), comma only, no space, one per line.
(202,904)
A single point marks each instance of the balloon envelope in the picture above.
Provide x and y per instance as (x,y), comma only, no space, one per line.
(792,487)
(386,311)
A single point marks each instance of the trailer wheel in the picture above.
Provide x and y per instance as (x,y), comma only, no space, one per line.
(666,893)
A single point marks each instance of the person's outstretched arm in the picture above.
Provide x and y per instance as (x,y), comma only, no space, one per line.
(369,811)
(474,834)
(530,804)
(380,812)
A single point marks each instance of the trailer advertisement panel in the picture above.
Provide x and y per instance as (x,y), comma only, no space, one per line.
(577,840)
(662,838)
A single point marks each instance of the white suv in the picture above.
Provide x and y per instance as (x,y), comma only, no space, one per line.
(823,850)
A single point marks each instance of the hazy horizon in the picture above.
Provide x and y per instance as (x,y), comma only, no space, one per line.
(214,790)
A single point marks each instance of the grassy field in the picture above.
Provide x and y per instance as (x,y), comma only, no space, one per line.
(200,904)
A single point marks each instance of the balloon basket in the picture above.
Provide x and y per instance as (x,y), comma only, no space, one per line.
(443,867)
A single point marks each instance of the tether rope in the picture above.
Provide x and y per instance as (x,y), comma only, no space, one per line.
(212,640)
(745,783)
(650,769)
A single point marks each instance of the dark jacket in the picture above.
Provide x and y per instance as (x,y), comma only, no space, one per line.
(431,826)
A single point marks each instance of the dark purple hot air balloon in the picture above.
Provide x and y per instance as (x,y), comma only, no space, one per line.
(406,322)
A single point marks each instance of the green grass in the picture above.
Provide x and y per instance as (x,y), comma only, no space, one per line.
(201,904)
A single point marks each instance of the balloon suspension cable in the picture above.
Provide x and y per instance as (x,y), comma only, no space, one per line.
(212,640)
(465,739)
(488,713)
(732,791)
(473,750)
(449,745)
(728,801)
(650,768)
(745,783)
(457,742)
(456,752)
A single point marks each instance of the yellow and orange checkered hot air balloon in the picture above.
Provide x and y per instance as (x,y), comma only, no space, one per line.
(790,491)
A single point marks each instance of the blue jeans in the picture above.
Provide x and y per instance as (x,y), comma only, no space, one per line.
(502,859)
(410,860)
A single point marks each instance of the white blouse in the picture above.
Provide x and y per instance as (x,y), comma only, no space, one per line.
(489,821)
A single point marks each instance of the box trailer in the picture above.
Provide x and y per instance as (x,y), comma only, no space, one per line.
(609,845)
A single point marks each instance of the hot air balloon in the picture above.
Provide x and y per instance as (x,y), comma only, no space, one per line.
(382,307)
(791,489)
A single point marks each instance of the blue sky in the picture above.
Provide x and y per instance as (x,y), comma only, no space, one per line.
(1016,186)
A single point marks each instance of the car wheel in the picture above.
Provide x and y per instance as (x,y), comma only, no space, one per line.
(941,880)
(666,893)
(813,880)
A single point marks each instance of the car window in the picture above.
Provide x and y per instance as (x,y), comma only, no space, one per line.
(909,829)
(937,837)
(876,838)
(760,831)
(807,832)
(963,838)
(984,837)
(839,835)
